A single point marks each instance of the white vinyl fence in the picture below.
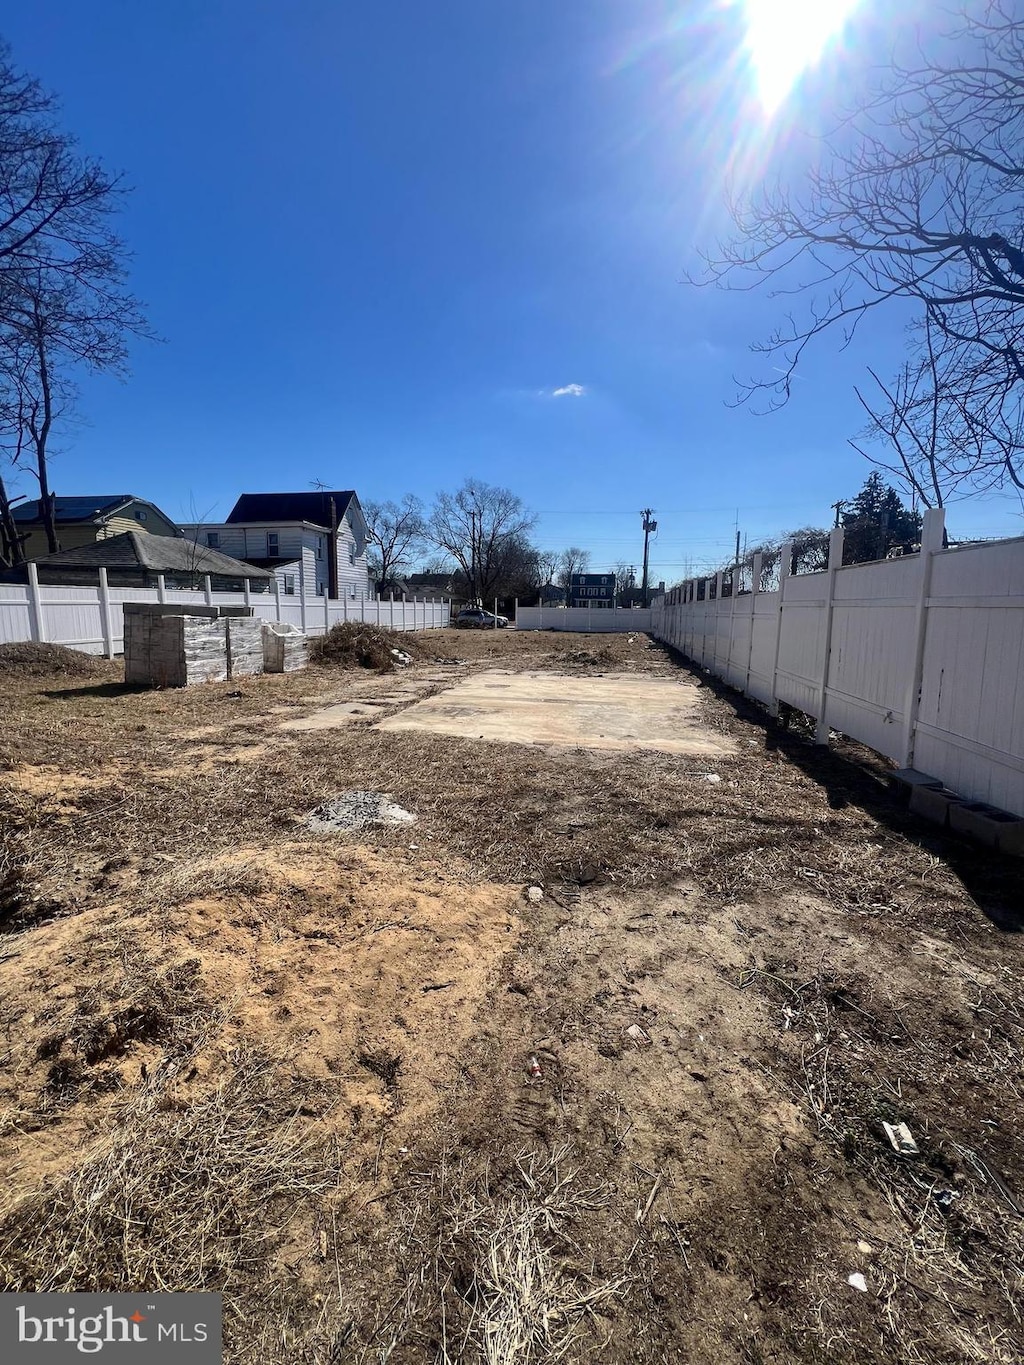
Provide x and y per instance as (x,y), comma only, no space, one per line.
(921,658)
(598,620)
(92,619)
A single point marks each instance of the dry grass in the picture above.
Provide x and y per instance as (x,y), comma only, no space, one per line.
(640,1203)
(184,1196)
(495,1257)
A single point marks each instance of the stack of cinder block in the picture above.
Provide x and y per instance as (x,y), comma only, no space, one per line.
(174,646)
(998,829)
(285,648)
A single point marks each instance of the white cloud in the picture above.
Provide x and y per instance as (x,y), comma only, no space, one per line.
(569,391)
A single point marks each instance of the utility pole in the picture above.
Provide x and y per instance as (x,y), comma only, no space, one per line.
(649,526)
(839,508)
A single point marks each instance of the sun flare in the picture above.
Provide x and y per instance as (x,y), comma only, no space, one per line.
(786,37)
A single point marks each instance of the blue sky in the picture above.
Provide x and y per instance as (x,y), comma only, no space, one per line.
(376,239)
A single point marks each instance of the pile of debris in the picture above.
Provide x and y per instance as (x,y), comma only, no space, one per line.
(356,644)
(356,810)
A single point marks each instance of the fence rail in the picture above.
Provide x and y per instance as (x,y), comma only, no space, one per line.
(92,619)
(921,658)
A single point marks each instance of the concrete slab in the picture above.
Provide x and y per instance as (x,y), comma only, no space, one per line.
(330,717)
(611,711)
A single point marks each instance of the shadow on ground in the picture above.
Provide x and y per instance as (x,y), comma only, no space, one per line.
(852,775)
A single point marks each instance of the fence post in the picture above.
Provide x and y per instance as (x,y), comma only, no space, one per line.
(246,594)
(106,623)
(378,610)
(392,611)
(208,589)
(931,542)
(495,613)
(590,619)
(755,588)
(302,601)
(161,588)
(515,610)
(344,605)
(785,569)
(36,623)
(277,598)
(835,562)
(327,613)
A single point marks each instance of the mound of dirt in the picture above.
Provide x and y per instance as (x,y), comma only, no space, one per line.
(354,644)
(27,659)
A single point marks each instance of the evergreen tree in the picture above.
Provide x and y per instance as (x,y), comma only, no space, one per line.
(877,523)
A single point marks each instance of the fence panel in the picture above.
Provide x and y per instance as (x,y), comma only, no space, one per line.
(921,657)
(802,644)
(74,616)
(596,620)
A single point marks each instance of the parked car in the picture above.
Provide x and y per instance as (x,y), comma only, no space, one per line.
(475,618)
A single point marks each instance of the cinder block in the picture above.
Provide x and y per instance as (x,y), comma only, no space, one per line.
(980,822)
(933,805)
(904,781)
(1011,837)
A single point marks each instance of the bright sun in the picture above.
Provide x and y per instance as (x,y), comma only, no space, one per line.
(785,37)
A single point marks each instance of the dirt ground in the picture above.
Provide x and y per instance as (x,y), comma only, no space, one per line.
(399,1109)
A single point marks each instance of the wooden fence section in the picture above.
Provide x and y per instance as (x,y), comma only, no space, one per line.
(92,619)
(921,658)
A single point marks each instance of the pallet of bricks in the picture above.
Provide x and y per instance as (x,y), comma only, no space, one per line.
(174,646)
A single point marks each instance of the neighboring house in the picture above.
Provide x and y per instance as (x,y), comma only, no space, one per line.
(86,519)
(447,584)
(136,560)
(312,542)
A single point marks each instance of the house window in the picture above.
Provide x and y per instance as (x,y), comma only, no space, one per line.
(272,545)
(319,547)
(140,514)
(319,590)
(352,553)
(213,539)
(289,585)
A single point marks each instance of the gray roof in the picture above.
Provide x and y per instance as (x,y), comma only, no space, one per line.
(157,554)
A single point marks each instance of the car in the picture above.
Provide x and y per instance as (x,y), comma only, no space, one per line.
(475,618)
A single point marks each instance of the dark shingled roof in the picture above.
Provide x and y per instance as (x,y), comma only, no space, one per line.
(313,507)
(157,554)
(85,508)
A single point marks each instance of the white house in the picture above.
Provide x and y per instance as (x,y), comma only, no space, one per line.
(311,542)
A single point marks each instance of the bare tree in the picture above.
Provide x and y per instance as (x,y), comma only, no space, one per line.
(570,562)
(547,566)
(63,303)
(922,430)
(396,531)
(476,527)
(918,201)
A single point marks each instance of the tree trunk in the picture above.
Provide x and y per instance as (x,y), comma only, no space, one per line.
(40,436)
(11,545)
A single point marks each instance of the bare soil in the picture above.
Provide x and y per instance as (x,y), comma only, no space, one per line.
(398,1111)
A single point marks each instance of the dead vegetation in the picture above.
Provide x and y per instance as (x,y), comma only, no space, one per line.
(355,644)
(297,1068)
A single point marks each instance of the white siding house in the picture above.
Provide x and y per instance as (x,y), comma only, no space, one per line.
(296,549)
